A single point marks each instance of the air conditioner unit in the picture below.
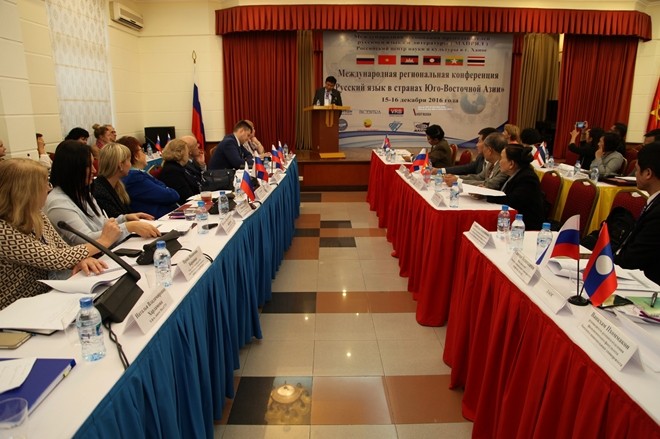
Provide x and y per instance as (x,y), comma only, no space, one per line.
(121,14)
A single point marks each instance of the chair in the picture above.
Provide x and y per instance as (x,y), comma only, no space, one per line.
(466,158)
(631,199)
(631,167)
(631,154)
(454,149)
(581,200)
(155,171)
(623,167)
(551,184)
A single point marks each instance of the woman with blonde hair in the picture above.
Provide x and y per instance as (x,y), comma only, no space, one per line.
(30,248)
(108,188)
(174,173)
(511,133)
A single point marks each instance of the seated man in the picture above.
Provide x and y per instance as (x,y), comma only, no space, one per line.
(490,176)
(476,165)
(652,136)
(640,249)
(229,154)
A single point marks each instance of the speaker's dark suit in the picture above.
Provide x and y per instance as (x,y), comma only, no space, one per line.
(319,97)
(640,249)
(229,155)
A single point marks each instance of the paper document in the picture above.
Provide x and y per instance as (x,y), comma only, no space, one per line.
(14,372)
(82,284)
(565,267)
(45,312)
(478,190)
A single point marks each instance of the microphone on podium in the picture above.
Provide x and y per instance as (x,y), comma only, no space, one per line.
(117,301)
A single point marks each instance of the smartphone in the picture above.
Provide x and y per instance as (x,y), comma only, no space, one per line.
(130,252)
(580,124)
(12,340)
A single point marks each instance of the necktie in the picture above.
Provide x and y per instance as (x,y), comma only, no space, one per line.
(327,95)
(489,170)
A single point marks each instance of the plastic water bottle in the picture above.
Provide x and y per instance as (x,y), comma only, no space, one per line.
(426,175)
(237,183)
(202,218)
(286,151)
(437,181)
(503,223)
(576,168)
(453,195)
(150,151)
(543,239)
(517,236)
(90,330)
(551,162)
(223,203)
(163,265)
(593,174)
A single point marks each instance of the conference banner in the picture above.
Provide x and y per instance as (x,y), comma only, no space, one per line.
(399,83)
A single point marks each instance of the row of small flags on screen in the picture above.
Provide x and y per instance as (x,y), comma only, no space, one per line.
(427,60)
(599,275)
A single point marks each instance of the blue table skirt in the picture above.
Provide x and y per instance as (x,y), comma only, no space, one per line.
(177,386)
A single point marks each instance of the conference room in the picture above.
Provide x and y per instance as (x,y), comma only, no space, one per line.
(307,278)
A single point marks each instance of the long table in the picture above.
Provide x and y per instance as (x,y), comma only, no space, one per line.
(182,370)
(424,236)
(529,373)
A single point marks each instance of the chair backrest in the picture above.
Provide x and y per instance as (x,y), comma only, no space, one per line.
(631,199)
(581,200)
(155,171)
(631,167)
(623,167)
(466,158)
(551,186)
(454,149)
(631,154)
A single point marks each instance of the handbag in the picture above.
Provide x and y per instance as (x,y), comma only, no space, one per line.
(218,180)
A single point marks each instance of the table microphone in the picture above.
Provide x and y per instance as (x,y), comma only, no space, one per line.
(117,301)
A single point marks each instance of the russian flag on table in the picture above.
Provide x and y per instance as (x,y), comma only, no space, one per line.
(246,185)
(260,169)
(157,145)
(276,158)
(280,151)
(599,276)
(420,160)
(386,143)
(540,154)
(568,240)
(197,121)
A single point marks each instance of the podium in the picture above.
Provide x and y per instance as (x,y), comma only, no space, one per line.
(325,128)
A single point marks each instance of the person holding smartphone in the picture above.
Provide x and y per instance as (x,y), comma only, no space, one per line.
(585,149)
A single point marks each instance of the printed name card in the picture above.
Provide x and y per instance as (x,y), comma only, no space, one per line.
(243,209)
(226,225)
(438,200)
(418,184)
(192,263)
(555,301)
(150,310)
(522,266)
(404,169)
(261,193)
(615,345)
(480,235)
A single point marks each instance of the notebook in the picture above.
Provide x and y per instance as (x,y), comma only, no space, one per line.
(42,379)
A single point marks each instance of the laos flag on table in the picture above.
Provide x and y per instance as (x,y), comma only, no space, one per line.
(246,184)
(420,161)
(276,158)
(260,169)
(599,276)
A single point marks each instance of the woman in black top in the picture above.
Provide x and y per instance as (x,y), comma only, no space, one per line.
(174,173)
(586,150)
(108,188)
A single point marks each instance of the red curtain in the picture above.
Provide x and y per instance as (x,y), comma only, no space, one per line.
(261,82)
(595,85)
(318,58)
(432,18)
(516,67)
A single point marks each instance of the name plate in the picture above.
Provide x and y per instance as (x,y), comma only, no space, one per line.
(261,192)
(418,184)
(480,235)
(226,225)
(243,209)
(192,263)
(150,310)
(617,347)
(553,299)
(522,266)
(438,200)
(404,169)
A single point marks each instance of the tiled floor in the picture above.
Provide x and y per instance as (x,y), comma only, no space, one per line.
(342,355)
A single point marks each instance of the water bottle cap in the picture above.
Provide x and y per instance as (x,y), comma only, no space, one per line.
(505,207)
(546,226)
(160,244)
(222,192)
(86,302)
(455,184)
(519,216)
(200,204)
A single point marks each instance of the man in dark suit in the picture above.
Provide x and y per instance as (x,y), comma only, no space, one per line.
(328,95)
(640,248)
(229,154)
(476,165)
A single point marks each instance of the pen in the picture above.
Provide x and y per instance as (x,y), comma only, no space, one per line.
(654,297)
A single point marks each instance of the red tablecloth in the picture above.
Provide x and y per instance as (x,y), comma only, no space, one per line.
(523,377)
(424,238)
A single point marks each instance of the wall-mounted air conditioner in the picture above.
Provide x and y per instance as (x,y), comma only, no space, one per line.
(126,16)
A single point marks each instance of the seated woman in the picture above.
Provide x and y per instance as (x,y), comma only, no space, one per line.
(79,134)
(174,173)
(146,193)
(107,188)
(71,200)
(608,160)
(522,189)
(586,150)
(440,153)
(511,133)
(30,247)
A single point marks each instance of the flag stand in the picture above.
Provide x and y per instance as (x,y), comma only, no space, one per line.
(578,299)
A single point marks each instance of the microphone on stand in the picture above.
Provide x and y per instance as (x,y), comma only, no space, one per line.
(117,301)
